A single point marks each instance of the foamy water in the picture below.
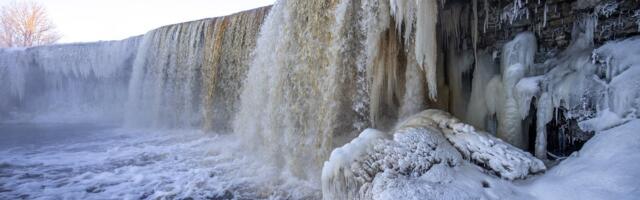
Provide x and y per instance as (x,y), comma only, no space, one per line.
(53,161)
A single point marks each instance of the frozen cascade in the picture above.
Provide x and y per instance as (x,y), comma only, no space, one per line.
(424,16)
(479,104)
(517,59)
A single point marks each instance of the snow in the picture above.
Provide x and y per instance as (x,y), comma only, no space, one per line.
(603,121)
(605,168)
(483,149)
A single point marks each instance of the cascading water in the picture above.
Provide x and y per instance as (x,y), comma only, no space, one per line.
(66,82)
(294,88)
(190,74)
(310,89)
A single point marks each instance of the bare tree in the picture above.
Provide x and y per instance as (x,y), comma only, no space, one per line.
(25,24)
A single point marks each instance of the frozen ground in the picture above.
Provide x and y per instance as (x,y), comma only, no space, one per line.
(86,161)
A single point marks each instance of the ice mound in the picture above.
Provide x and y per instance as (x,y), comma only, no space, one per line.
(431,145)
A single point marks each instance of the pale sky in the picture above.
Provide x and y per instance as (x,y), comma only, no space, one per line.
(93,20)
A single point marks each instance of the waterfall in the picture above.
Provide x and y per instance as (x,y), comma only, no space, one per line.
(190,74)
(323,71)
(185,75)
(72,82)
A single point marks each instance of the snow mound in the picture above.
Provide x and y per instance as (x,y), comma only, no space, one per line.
(481,148)
(431,146)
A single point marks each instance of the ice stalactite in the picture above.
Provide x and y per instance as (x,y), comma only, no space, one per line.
(426,144)
(381,62)
(486,16)
(516,61)
(426,45)
(459,64)
(424,14)
(514,11)
(479,104)
(524,92)
(543,117)
(455,25)
(414,98)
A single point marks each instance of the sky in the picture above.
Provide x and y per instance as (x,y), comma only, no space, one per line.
(94,20)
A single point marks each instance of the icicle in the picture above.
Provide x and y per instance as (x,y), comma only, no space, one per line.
(546,10)
(517,59)
(475,33)
(425,16)
(478,109)
(486,15)
(543,117)
(426,49)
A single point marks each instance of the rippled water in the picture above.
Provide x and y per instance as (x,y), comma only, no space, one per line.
(85,161)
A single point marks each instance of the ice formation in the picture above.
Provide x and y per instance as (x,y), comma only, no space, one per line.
(424,15)
(516,62)
(427,141)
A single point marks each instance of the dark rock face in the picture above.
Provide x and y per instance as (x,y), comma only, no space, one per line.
(552,20)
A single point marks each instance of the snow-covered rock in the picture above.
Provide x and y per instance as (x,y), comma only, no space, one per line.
(432,146)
